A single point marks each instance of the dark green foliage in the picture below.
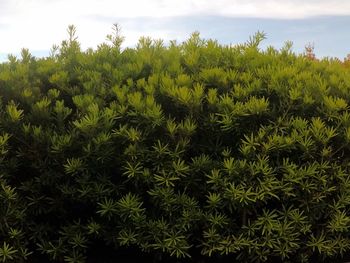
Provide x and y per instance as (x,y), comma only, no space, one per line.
(193,152)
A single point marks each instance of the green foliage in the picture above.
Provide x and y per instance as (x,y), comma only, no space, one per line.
(191,151)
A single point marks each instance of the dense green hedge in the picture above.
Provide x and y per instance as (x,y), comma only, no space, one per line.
(191,152)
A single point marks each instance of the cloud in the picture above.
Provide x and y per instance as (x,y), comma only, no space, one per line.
(283,9)
(251,8)
(5,6)
(37,24)
(166,8)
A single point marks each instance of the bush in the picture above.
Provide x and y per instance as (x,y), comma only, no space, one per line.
(193,152)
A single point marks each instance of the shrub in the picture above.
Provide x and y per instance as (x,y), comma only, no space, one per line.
(196,151)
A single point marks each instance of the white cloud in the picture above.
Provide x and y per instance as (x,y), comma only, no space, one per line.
(163,8)
(37,24)
(280,8)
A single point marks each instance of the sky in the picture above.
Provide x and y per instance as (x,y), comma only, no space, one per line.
(38,24)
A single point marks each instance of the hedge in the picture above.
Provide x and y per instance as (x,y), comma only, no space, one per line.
(185,152)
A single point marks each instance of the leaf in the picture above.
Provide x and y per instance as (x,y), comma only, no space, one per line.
(108,208)
(14,113)
(74,166)
(7,252)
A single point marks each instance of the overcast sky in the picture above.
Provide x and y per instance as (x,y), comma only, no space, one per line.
(38,24)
